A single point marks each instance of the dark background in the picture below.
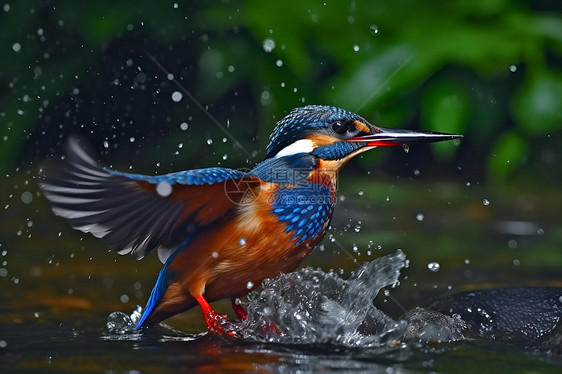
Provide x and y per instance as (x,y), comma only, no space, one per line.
(489,69)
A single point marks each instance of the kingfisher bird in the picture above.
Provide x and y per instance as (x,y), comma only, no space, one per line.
(220,232)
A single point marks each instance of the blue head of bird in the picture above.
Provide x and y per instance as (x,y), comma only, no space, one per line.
(328,137)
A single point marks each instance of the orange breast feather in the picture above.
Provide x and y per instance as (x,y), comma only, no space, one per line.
(233,258)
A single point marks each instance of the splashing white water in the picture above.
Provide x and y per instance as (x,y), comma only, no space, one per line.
(311,306)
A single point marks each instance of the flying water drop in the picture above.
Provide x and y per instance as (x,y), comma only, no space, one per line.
(433,266)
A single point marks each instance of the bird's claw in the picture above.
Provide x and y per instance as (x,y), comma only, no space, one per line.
(219,324)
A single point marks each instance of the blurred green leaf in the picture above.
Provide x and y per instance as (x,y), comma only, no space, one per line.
(478,67)
(537,106)
(445,108)
(507,154)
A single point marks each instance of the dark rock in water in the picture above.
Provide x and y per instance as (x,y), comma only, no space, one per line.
(525,314)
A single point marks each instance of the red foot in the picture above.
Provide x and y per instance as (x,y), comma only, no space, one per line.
(213,320)
(239,310)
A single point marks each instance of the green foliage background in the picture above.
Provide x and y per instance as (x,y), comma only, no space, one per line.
(489,69)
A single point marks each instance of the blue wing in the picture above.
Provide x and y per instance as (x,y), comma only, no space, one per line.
(135,213)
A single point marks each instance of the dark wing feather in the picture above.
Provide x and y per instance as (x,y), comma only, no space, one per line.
(135,213)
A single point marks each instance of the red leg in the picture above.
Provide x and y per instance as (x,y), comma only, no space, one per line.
(239,310)
(270,328)
(213,320)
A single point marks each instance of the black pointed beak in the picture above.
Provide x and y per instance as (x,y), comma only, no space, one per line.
(399,137)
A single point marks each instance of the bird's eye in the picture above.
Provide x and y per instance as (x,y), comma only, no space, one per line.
(340,127)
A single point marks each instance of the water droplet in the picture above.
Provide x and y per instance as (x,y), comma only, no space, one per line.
(170,76)
(516,262)
(242,241)
(433,266)
(177,96)
(215,254)
(163,189)
(512,243)
(279,63)
(466,261)
(356,48)
(360,192)
(16,47)
(374,29)
(26,197)
(249,285)
(209,141)
(513,68)
(268,45)
(420,217)
(486,202)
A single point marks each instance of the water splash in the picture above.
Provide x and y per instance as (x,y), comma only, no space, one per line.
(119,323)
(311,306)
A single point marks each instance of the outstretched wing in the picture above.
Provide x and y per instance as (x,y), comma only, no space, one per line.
(135,213)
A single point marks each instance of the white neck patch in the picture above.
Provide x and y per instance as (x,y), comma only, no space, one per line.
(300,146)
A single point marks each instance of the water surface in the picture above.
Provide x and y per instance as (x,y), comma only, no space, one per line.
(59,286)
